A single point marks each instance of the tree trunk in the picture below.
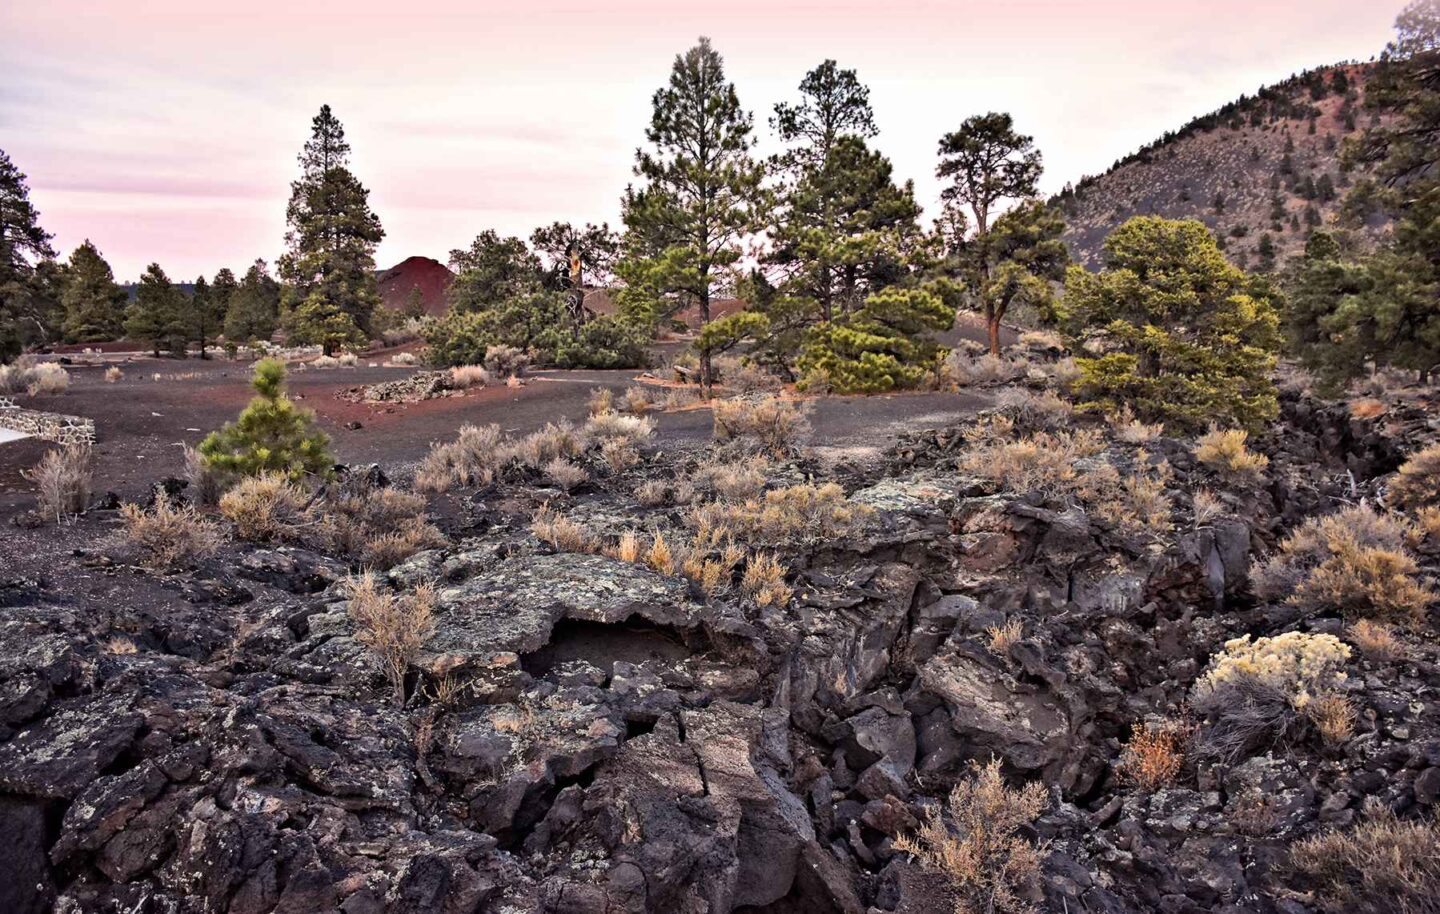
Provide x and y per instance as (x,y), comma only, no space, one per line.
(705,377)
(992,329)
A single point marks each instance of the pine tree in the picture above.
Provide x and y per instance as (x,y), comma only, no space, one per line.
(205,315)
(1188,338)
(157,315)
(28,300)
(254,307)
(415,303)
(843,228)
(988,163)
(329,264)
(94,304)
(703,188)
(271,435)
(886,344)
(1323,299)
(223,288)
(491,271)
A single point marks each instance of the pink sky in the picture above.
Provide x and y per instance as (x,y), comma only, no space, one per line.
(166,131)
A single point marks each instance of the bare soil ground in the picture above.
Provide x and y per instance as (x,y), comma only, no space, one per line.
(142,423)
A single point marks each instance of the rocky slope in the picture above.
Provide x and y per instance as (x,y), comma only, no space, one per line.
(1264,164)
(589,735)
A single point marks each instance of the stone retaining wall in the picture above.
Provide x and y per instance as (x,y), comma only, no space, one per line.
(49,426)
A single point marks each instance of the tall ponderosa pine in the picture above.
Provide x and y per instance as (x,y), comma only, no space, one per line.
(1188,338)
(987,162)
(157,315)
(254,307)
(28,300)
(94,304)
(223,288)
(702,194)
(844,229)
(204,315)
(271,435)
(329,264)
(1324,321)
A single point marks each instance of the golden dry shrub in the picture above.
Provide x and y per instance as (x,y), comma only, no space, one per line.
(652,493)
(62,480)
(559,531)
(1367,408)
(1354,563)
(464,377)
(1334,718)
(168,535)
(1377,641)
(379,527)
(1126,428)
(764,581)
(566,475)
(394,626)
(1000,638)
(1417,483)
(989,865)
(619,454)
(263,508)
(604,426)
(660,557)
(1044,462)
(1298,666)
(1381,866)
(114,374)
(735,480)
(637,401)
(791,514)
(602,400)
(1224,451)
(1155,755)
(555,440)
(773,425)
(475,457)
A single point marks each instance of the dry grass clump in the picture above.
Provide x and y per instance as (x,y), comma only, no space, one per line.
(62,481)
(1381,866)
(745,377)
(464,377)
(619,454)
(652,493)
(961,369)
(764,581)
(560,532)
(1367,408)
(1417,483)
(637,401)
(792,514)
(402,359)
(604,426)
(565,474)
(1041,339)
(660,557)
(987,862)
(1031,410)
(1000,638)
(1206,506)
(1353,563)
(709,575)
(168,536)
(47,378)
(1044,462)
(1377,641)
(473,458)
(1224,451)
(394,626)
(1334,718)
(264,508)
(1130,430)
(113,374)
(377,527)
(773,425)
(206,482)
(736,480)
(556,439)
(506,361)
(628,549)
(1135,503)
(602,400)
(1155,754)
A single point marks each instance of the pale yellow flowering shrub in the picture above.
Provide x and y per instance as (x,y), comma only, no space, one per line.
(1297,665)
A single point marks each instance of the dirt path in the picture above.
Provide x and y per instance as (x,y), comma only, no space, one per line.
(142,423)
